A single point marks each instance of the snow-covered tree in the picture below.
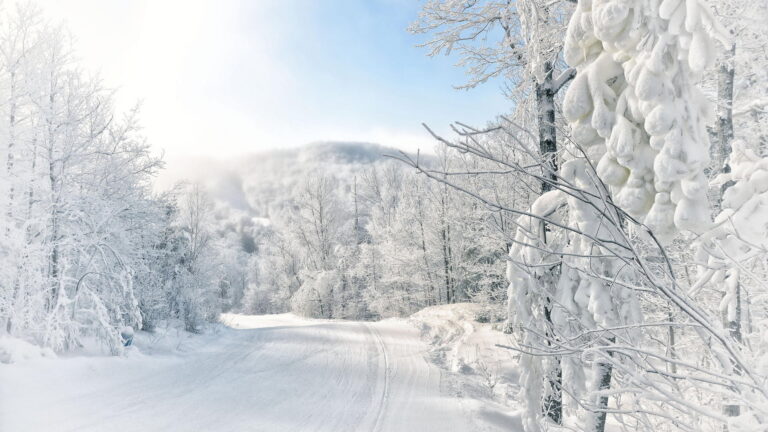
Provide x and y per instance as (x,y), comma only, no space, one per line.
(88,249)
(635,108)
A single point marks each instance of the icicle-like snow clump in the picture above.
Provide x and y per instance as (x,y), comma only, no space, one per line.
(740,232)
(634,107)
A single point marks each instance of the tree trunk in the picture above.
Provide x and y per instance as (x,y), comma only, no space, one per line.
(450,262)
(732,322)
(11,192)
(446,267)
(553,399)
(11,144)
(53,264)
(545,101)
(603,373)
(431,286)
(444,236)
(671,350)
(358,236)
(725,77)
(725,134)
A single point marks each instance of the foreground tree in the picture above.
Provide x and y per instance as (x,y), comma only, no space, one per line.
(633,173)
(86,244)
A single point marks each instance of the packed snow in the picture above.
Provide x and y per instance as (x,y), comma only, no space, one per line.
(265,373)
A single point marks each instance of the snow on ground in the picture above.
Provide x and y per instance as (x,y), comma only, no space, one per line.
(270,373)
(481,372)
(13,350)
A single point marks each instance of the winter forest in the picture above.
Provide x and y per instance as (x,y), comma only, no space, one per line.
(593,258)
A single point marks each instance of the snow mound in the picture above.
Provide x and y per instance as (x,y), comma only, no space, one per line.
(449,328)
(465,346)
(14,350)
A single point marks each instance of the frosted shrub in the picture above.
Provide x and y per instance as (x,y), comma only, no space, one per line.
(315,298)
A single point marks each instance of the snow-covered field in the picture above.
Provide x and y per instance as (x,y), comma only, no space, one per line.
(272,373)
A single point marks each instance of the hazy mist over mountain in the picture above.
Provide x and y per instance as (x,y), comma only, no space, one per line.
(256,184)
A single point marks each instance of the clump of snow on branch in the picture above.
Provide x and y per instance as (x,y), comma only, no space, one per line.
(635,109)
(740,233)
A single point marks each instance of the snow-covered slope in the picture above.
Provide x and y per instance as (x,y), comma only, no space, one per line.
(261,373)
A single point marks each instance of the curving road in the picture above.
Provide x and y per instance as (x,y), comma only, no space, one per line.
(263,373)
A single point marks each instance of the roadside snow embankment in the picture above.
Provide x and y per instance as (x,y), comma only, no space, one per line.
(13,350)
(481,371)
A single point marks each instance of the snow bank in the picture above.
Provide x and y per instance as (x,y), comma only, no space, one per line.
(169,338)
(13,350)
(457,339)
(469,349)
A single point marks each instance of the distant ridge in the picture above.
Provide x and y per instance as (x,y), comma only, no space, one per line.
(259,184)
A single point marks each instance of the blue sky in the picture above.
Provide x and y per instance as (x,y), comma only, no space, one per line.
(225,77)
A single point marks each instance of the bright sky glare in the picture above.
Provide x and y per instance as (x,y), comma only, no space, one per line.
(225,77)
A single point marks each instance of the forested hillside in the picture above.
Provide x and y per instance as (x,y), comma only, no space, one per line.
(344,230)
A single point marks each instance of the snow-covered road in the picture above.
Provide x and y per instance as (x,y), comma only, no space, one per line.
(264,373)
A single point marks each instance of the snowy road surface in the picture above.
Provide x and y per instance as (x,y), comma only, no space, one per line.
(265,373)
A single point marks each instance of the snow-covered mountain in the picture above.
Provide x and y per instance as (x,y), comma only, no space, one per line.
(259,184)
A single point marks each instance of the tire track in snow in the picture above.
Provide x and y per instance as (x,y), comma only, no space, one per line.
(377,425)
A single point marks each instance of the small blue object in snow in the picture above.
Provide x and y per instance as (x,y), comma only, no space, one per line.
(127,335)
